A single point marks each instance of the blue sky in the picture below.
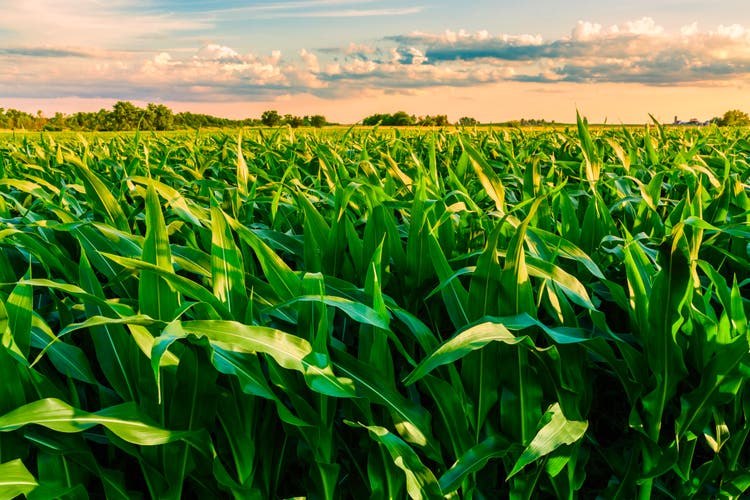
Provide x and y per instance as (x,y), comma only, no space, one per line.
(495,60)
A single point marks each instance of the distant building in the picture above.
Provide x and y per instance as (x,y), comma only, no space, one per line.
(694,122)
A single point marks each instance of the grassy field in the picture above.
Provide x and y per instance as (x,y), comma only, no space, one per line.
(354,313)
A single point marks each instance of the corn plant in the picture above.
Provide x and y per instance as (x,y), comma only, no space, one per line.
(376,313)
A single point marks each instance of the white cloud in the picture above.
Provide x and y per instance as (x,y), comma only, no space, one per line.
(643,26)
(633,51)
(585,30)
(638,51)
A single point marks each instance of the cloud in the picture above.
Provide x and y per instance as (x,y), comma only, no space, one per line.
(42,52)
(638,51)
(81,22)
(315,9)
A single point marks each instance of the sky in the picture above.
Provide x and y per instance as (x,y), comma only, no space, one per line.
(346,59)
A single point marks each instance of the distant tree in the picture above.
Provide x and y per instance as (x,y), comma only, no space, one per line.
(39,120)
(56,123)
(19,119)
(383,119)
(734,118)
(102,120)
(467,121)
(402,118)
(399,118)
(433,121)
(125,115)
(293,121)
(317,121)
(441,121)
(270,118)
(159,117)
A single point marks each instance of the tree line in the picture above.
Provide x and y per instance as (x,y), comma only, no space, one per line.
(125,115)
(402,118)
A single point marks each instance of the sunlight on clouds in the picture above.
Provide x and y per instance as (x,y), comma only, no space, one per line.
(633,52)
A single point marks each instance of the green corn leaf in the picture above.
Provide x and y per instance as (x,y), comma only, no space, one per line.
(591,161)
(284,281)
(358,312)
(183,285)
(454,295)
(185,208)
(227,268)
(471,339)
(564,248)
(312,319)
(420,481)
(99,194)
(289,351)
(252,380)
(156,297)
(19,312)
(68,359)
(450,400)
(115,350)
(15,479)
(473,460)
(556,432)
(484,288)
(671,289)
(492,184)
(125,421)
(317,232)
(243,175)
(722,369)
(411,420)
(573,288)
(514,279)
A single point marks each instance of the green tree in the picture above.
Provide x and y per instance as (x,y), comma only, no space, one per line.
(467,121)
(270,118)
(402,118)
(434,121)
(293,121)
(125,115)
(159,117)
(56,123)
(378,118)
(318,121)
(399,118)
(735,118)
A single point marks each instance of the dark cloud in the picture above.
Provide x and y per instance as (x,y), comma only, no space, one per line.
(42,52)
(636,52)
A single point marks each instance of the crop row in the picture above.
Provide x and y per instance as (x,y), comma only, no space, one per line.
(473,314)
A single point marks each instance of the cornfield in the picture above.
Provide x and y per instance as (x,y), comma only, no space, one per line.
(375,313)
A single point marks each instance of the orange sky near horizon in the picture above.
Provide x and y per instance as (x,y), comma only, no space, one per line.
(600,102)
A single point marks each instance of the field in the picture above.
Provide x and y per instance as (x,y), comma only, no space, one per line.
(374,313)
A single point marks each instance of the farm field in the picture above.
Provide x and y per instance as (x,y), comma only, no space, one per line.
(373,313)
